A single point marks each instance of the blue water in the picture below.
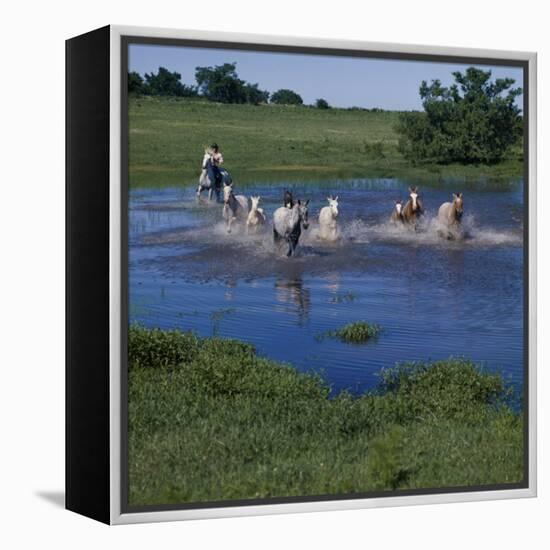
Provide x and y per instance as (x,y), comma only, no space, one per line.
(433,298)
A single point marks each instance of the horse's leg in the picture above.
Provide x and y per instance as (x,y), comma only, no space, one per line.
(292,244)
(278,240)
(227,221)
(210,194)
(290,248)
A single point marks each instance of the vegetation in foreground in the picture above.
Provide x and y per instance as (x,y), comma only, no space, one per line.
(355,333)
(210,420)
(263,143)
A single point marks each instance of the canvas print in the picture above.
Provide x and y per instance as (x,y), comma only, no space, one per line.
(326,261)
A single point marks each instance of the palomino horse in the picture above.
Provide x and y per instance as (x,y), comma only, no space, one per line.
(413,208)
(256,216)
(206,185)
(288,223)
(328,229)
(235,207)
(397,213)
(450,217)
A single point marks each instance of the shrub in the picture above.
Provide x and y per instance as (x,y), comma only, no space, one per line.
(355,333)
(154,348)
(450,388)
(322,104)
(472,121)
(286,97)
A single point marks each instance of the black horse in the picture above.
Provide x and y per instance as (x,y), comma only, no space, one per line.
(288,201)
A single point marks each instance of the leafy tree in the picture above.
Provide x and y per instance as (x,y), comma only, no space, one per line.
(322,104)
(286,97)
(221,83)
(167,83)
(135,83)
(254,95)
(474,120)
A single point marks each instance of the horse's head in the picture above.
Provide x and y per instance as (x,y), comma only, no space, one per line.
(302,210)
(225,176)
(413,193)
(398,207)
(458,204)
(227,191)
(333,203)
(255,201)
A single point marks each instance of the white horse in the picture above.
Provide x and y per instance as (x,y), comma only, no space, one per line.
(328,228)
(449,216)
(288,223)
(397,213)
(235,207)
(212,187)
(256,216)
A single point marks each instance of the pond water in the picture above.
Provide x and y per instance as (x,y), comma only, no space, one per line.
(433,298)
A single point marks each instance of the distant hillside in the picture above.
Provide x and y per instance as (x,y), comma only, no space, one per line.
(273,142)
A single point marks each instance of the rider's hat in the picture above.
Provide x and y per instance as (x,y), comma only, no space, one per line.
(214,146)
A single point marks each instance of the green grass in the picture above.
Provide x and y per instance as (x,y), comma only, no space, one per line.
(167,137)
(210,420)
(357,332)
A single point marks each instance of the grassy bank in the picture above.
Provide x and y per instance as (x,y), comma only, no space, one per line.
(210,420)
(274,142)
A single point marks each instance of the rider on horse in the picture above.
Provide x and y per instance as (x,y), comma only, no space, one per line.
(211,162)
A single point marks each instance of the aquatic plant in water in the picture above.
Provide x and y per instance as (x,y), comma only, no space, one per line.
(355,333)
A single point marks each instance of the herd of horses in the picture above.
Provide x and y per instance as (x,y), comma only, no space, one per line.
(293,216)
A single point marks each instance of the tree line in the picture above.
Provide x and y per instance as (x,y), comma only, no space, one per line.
(475,120)
(220,83)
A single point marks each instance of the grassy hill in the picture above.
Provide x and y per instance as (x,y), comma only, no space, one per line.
(273,142)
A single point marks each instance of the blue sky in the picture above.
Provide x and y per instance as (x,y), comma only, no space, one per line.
(342,81)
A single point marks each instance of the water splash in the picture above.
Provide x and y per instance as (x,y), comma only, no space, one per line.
(429,232)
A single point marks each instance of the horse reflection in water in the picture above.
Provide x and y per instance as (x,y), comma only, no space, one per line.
(292,294)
